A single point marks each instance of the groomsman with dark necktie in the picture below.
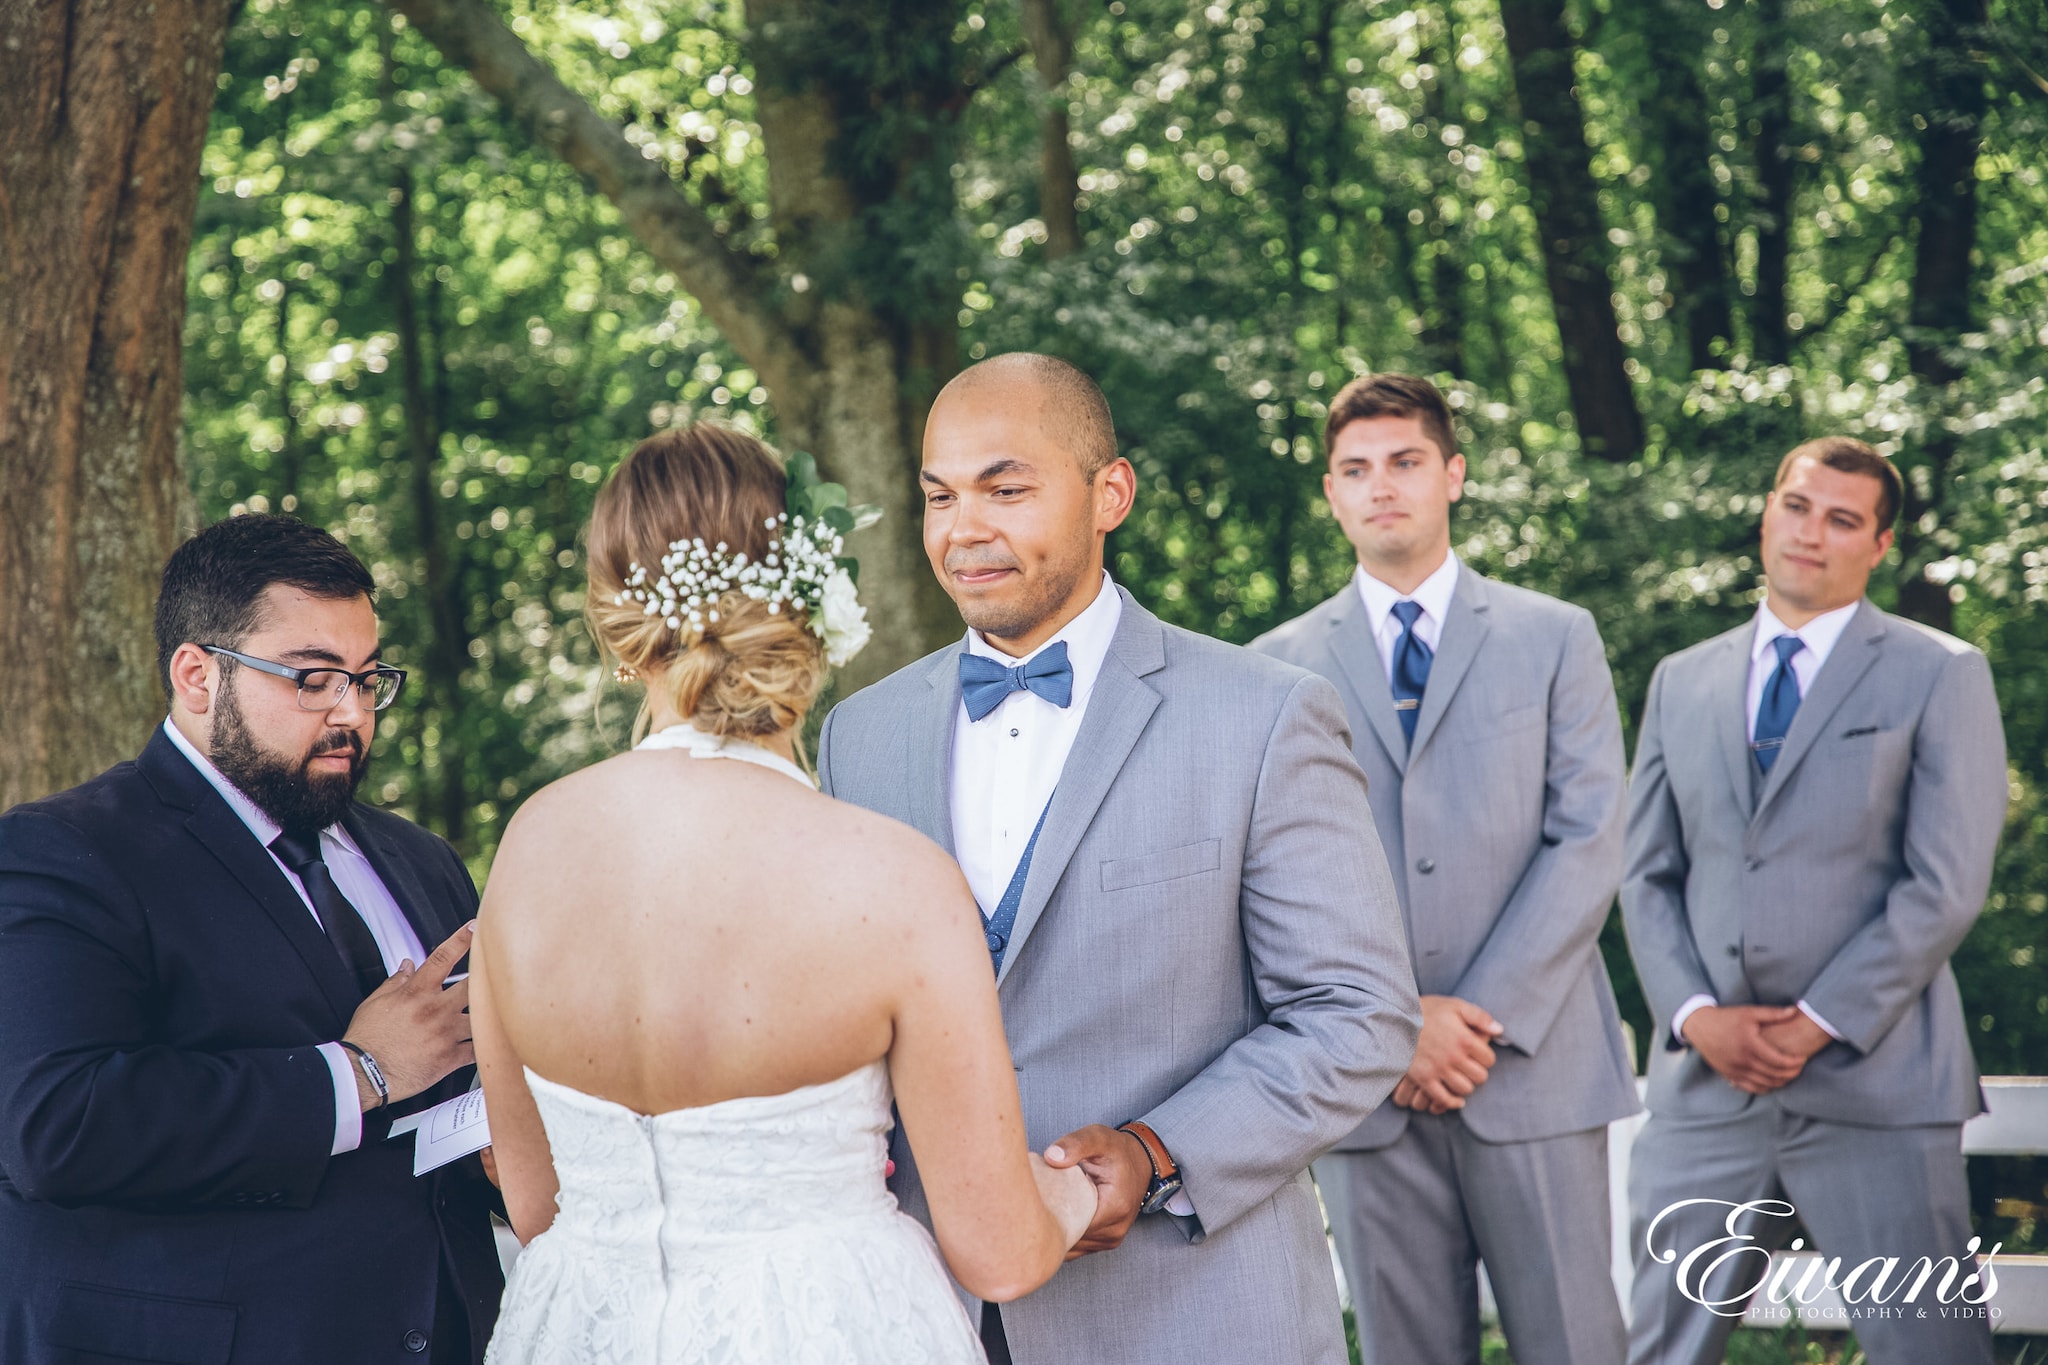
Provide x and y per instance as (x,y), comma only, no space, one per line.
(1485,719)
(1816,800)
(216,993)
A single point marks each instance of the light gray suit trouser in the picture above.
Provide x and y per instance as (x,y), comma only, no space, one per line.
(1860,1192)
(1411,1218)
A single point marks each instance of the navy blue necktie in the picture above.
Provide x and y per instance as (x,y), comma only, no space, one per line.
(1411,667)
(1780,703)
(984,682)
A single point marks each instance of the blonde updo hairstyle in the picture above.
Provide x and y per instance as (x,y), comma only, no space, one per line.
(750,672)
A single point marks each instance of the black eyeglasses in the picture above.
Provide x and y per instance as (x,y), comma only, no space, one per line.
(321,689)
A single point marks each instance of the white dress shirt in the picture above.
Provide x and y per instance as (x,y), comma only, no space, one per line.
(365,890)
(1006,764)
(1820,636)
(1433,595)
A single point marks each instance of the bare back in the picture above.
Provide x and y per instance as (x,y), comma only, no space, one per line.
(668,931)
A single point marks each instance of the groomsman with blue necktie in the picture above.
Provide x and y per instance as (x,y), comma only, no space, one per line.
(1817,797)
(1485,720)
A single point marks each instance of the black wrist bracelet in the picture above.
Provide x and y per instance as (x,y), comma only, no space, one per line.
(372,1071)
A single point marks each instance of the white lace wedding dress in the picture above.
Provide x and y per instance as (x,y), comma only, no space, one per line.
(756,1231)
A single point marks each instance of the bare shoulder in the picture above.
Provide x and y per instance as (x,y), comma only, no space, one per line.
(893,860)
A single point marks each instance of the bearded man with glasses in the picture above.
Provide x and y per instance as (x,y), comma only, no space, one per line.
(216,997)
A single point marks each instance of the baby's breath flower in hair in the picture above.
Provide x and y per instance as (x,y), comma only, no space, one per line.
(804,570)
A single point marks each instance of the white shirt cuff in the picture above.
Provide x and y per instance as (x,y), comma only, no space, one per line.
(1685,1012)
(348,1101)
(1180,1206)
(1825,1026)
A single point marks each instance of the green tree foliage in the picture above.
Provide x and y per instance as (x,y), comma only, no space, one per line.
(1270,196)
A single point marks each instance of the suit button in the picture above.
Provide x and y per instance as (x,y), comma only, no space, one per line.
(995,941)
(1752,863)
(415,1341)
(1734,951)
(1425,865)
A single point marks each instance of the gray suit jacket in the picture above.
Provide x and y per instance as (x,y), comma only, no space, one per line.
(1847,880)
(1503,823)
(1204,943)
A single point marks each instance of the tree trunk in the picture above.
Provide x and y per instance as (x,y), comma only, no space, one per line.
(1052,52)
(1574,243)
(1443,328)
(1775,184)
(1677,145)
(103,116)
(1944,296)
(851,356)
(446,802)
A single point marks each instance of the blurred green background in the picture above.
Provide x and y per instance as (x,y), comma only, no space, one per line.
(415,325)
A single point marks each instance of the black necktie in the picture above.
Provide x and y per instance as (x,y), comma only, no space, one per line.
(344,924)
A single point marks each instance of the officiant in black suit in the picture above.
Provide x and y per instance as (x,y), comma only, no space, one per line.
(217,991)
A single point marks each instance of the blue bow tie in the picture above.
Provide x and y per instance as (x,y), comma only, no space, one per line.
(984,682)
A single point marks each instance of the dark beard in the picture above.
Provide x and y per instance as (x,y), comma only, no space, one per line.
(302,804)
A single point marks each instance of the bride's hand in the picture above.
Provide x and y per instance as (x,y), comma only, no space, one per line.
(1069,1194)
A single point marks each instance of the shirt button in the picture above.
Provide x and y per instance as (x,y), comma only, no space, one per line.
(1013,734)
(415,1341)
(1425,865)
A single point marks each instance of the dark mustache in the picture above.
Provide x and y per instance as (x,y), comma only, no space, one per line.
(336,743)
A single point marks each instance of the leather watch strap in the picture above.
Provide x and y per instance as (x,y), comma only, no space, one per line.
(1162,1160)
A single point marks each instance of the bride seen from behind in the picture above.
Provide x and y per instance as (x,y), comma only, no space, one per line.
(695,984)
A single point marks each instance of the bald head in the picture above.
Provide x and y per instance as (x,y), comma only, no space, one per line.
(1070,407)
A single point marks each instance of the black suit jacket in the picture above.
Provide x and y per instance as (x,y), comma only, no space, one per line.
(166,1188)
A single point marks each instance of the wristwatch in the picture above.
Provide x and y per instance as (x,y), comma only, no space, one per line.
(1166,1181)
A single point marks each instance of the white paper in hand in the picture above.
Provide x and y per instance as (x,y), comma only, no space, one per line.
(446,1132)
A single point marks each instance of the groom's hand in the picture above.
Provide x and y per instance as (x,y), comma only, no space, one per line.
(1117,1163)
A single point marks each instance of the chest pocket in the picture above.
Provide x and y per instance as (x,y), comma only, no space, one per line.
(1189,860)
(1507,722)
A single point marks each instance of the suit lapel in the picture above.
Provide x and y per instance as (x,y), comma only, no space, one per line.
(1850,659)
(1358,660)
(1463,633)
(216,826)
(1728,708)
(431,921)
(929,808)
(1118,710)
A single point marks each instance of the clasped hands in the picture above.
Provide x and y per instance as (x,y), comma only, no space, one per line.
(1116,1164)
(1453,1057)
(1755,1048)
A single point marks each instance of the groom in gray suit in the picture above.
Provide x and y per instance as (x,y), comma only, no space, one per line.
(1195,939)
(1484,717)
(1817,797)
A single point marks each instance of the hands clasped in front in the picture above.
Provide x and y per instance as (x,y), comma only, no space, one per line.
(1755,1048)
(1453,1057)
(416,1025)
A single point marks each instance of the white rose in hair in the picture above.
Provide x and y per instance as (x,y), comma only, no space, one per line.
(843,620)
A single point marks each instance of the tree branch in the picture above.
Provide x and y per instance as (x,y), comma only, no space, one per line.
(979,81)
(676,232)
